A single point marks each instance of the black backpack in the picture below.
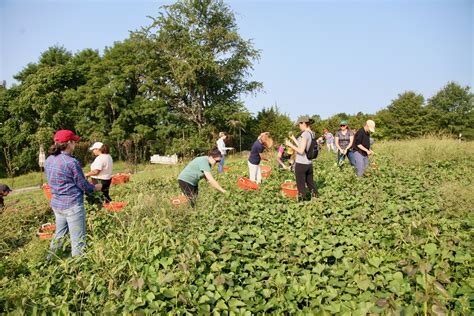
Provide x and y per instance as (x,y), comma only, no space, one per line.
(313,150)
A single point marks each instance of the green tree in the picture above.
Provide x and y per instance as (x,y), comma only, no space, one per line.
(451,109)
(205,61)
(273,121)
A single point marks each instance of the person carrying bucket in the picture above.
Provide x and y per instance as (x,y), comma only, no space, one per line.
(303,165)
(256,156)
(197,169)
(68,185)
(221,146)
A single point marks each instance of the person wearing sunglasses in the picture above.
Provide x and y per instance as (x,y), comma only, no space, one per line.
(197,169)
(344,140)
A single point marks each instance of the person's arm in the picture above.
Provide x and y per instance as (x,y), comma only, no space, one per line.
(301,146)
(213,181)
(80,180)
(92,173)
(279,159)
(351,142)
(337,144)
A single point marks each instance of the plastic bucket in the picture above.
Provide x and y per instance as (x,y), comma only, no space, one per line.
(246,184)
(48,227)
(179,200)
(265,171)
(45,235)
(120,178)
(47,191)
(114,206)
(288,189)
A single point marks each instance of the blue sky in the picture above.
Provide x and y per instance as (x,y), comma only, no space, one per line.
(317,57)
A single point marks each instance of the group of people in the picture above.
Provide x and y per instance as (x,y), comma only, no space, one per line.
(354,146)
(68,183)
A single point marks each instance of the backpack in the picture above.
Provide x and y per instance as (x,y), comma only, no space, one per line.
(313,150)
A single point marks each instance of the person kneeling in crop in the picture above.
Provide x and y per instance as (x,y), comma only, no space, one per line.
(197,169)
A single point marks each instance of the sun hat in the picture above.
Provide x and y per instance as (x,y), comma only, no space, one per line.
(96,145)
(371,125)
(303,119)
(344,122)
(65,135)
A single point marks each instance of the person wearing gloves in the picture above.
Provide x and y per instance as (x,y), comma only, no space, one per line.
(4,191)
(101,168)
(222,149)
(344,140)
(197,169)
(361,147)
(303,166)
(68,185)
(256,155)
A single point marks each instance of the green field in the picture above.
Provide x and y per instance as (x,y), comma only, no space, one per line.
(397,240)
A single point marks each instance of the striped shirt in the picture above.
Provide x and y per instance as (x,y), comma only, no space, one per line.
(66,180)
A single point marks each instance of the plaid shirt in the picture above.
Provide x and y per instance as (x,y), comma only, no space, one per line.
(66,180)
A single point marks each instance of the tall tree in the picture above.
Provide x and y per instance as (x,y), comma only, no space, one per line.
(206,61)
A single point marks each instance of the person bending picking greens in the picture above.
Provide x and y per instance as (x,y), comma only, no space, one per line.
(197,169)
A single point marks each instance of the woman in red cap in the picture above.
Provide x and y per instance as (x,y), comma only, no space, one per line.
(68,185)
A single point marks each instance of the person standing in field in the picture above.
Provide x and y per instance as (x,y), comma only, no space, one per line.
(361,147)
(330,144)
(197,169)
(344,139)
(303,166)
(222,149)
(256,156)
(68,185)
(4,191)
(101,168)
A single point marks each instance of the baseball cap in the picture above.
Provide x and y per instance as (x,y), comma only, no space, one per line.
(371,125)
(5,188)
(96,145)
(303,119)
(344,122)
(65,135)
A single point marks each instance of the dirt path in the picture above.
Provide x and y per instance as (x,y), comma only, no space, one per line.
(26,189)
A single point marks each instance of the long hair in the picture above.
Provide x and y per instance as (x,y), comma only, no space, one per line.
(104,149)
(57,148)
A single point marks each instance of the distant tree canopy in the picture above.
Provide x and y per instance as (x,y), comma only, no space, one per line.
(171,87)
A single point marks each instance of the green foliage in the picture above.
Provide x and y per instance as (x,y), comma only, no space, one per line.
(393,242)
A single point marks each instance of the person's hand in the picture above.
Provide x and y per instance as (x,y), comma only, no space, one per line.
(288,143)
(98,186)
(344,152)
(226,193)
(293,138)
(370,152)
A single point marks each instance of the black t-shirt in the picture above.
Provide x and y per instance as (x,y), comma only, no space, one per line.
(361,137)
(1,202)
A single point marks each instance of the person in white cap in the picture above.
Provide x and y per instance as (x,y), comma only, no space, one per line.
(101,168)
(361,147)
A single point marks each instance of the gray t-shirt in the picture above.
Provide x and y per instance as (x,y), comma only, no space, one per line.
(302,159)
(344,140)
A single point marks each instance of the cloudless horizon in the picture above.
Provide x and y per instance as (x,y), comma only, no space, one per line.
(317,57)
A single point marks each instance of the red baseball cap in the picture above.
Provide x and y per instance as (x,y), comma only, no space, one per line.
(64,136)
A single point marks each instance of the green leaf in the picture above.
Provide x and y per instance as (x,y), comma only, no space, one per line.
(431,249)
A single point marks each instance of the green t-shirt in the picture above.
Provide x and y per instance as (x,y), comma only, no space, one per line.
(194,171)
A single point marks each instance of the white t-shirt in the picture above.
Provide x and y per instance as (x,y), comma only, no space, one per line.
(103,162)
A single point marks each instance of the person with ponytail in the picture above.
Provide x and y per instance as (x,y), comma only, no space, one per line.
(68,185)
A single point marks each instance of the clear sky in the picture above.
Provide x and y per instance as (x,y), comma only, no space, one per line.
(317,57)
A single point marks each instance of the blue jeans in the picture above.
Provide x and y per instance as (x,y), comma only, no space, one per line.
(221,165)
(361,163)
(350,157)
(72,220)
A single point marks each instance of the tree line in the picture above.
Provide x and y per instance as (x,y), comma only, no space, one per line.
(170,87)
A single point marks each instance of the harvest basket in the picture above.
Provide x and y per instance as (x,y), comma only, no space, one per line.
(47,191)
(114,206)
(179,200)
(120,178)
(48,227)
(45,235)
(265,171)
(246,184)
(288,189)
